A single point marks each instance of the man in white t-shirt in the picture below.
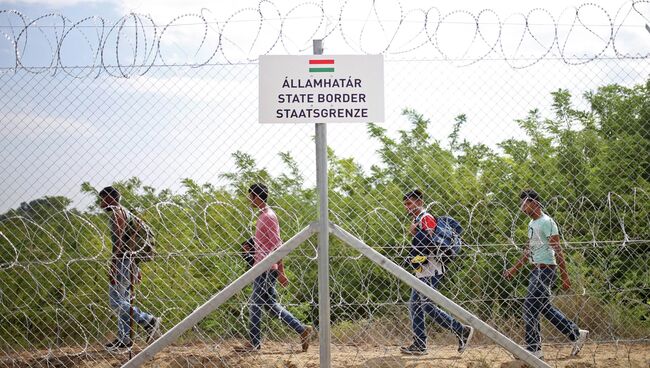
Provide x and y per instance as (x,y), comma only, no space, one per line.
(543,249)
(430,270)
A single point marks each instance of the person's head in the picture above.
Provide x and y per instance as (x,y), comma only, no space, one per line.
(413,202)
(530,202)
(258,194)
(109,197)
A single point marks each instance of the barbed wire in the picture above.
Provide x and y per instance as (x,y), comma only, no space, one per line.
(200,224)
(133,44)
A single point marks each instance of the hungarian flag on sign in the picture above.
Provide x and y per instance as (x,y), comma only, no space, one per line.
(321,65)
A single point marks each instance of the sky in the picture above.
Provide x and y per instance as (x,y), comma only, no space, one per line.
(64,120)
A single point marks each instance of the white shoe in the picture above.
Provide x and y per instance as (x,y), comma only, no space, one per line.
(580,342)
(465,338)
(152,329)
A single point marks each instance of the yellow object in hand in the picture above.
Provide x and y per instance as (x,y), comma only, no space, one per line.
(419,259)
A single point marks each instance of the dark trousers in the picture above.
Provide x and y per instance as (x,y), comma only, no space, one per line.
(538,302)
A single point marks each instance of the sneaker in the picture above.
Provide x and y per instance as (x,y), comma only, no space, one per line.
(413,349)
(246,348)
(112,344)
(118,345)
(464,338)
(305,337)
(152,328)
(580,342)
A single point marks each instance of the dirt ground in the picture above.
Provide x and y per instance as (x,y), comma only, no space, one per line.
(280,355)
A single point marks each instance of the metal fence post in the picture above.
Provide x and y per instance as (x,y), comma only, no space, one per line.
(323,237)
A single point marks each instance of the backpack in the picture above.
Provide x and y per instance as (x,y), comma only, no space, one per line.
(446,241)
(448,238)
(141,239)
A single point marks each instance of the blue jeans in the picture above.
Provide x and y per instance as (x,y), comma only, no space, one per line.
(119,295)
(265,296)
(538,301)
(420,306)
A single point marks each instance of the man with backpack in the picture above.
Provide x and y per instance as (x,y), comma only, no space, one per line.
(266,240)
(545,255)
(131,242)
(427,257)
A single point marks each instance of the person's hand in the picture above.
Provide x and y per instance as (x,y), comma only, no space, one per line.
(509,273)
(247,245)
(566,283)
(413,228)
(282,279)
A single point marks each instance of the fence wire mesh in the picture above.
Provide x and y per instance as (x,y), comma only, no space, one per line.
(479,106)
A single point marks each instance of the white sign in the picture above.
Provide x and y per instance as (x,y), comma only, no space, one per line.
(321,89)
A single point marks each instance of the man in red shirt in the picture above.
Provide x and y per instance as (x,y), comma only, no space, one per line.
(266,240)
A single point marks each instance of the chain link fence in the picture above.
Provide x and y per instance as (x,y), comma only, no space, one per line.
(479,105)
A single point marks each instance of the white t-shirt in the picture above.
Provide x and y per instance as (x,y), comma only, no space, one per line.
(539,233)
